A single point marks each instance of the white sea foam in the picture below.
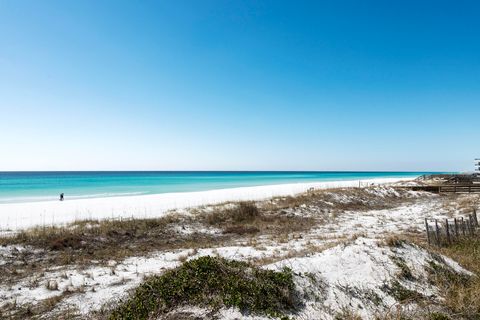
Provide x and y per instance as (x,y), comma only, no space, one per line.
(15,216)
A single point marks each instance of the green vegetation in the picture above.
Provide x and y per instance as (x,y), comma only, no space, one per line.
(438,316)
(402,294)
(405,272)
(440,274)
(213,282)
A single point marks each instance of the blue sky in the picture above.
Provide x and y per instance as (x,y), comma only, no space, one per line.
(239,85)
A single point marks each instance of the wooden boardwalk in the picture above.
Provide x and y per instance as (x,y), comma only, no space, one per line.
(455,188)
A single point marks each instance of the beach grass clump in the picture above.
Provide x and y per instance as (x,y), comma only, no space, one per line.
(438,316)
(243,212)
(212,282)
(394,241)
(246,218)
(347,315)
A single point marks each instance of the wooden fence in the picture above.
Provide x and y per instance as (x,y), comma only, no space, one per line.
(445,232)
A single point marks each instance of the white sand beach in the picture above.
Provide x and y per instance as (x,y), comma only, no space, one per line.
(16,216)
(345,246)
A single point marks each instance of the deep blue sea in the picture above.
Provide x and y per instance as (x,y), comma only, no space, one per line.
(42,186)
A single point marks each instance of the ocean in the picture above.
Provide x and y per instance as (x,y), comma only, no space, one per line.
(44,186)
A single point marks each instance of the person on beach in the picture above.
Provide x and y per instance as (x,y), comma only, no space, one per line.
(61,196)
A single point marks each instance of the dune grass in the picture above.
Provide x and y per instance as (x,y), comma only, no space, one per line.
(247,218)
(461,293)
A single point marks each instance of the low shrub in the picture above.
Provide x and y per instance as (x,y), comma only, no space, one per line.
(212,282)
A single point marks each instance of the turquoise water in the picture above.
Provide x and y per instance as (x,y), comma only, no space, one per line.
(42,186)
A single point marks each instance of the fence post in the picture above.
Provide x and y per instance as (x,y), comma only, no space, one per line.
(456,227)
(463,227)
(475,217)
(470,222)
(428,232)
(437,233)
(447,230)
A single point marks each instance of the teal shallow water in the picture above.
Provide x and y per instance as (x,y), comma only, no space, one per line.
(43,186)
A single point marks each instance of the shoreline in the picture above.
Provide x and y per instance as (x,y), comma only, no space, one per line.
(23,215)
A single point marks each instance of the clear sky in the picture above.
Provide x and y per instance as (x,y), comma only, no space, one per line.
(239,85)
